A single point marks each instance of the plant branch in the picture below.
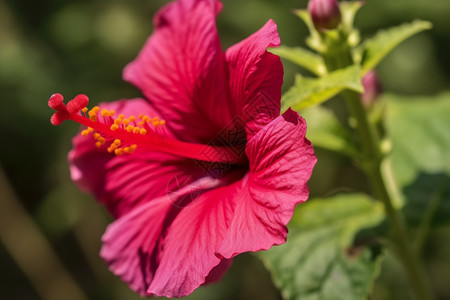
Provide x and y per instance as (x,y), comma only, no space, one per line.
(372,163)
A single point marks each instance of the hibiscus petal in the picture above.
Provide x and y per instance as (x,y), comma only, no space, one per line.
(180,68)
(218,271)
(281,161)
(255,78)
(189,259)
(131,244)
(123,182)
(140,177)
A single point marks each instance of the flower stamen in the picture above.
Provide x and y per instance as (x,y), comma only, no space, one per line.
(127,135)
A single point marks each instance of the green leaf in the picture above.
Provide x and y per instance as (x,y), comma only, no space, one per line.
(325,130)
(318,260)
(314,41)
(419,129)
(349,11)
(373,50)
(308,92)
(302,57)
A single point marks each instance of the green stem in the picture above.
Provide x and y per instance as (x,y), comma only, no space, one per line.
(372,167)
(372,159)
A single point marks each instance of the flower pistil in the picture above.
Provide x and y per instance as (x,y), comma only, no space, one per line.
(125,135)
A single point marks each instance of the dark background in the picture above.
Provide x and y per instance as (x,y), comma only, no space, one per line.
(50,231)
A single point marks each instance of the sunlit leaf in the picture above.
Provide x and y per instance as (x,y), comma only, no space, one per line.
(324,130)
(373,50)
(314,41)
(302,57)
(308,92)
(318,261)
(349,11)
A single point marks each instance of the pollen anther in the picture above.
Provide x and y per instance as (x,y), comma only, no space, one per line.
(114,127)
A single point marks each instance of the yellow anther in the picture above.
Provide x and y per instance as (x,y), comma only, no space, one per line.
(143,131)
(136,130)
(90,129)
(132,118)
(85,109)
(116,142)
(162,122)
(125,122)
(156,123)
(129,128)
(140,116)
(98,144)
(105,113)
(146,118)
(85,132)
(133,147)
(118,152)
(92,115)
(127,150)
(118,121)
(141,123)
(114,127)
(96,135)
(96,109)
(121,116)
(111,113)
(111,149)
(101,140)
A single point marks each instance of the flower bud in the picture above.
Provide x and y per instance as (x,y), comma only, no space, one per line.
(325,14)
(372,88)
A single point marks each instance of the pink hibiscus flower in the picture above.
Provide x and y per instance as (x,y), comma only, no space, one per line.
(204,168)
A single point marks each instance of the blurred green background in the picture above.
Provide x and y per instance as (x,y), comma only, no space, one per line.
(50,231)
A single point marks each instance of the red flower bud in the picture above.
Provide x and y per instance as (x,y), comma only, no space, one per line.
(372,88)
(325,14)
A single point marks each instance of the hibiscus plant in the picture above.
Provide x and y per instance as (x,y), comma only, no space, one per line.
(213,161)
